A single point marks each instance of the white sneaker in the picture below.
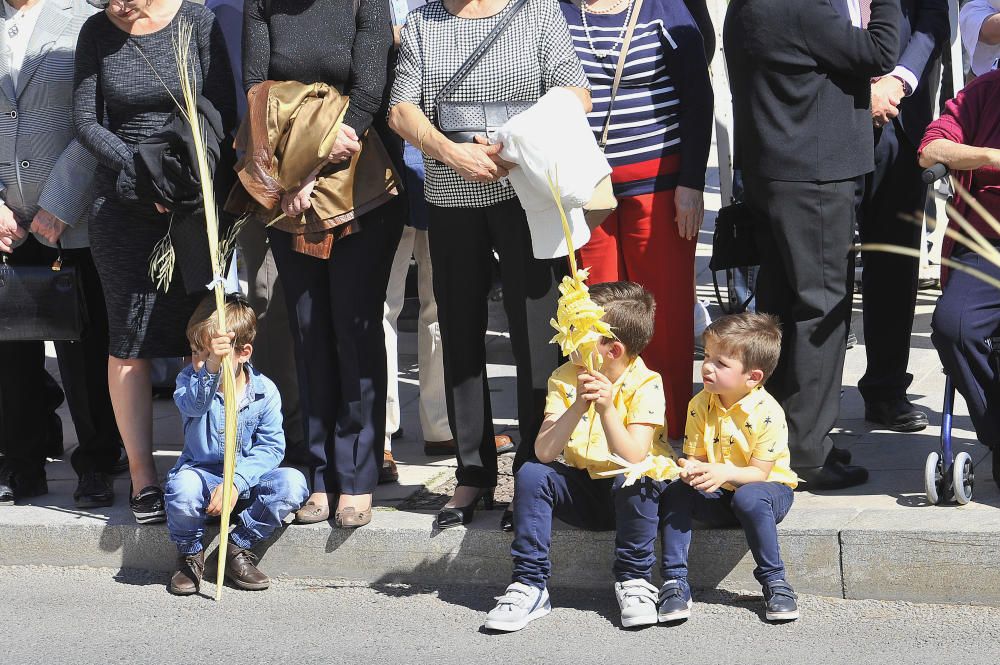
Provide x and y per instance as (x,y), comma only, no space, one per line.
(518,607)
(637,600)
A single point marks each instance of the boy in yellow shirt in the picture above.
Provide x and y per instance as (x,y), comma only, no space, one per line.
(627,420)
(737,469)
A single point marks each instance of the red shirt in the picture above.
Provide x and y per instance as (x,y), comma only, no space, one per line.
(973,118)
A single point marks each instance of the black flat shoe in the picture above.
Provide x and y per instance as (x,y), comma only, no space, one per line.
(507,521)
(898,415)
(462,515)
(832,476)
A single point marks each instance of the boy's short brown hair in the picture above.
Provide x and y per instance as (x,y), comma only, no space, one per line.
(752,338)
(240,319)
(628,309)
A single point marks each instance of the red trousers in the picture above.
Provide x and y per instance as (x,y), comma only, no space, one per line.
(639,242)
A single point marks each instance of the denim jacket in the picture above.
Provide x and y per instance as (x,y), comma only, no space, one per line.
(260,439)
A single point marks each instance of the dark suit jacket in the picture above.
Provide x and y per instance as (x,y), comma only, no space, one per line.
(800,77)
(924,32)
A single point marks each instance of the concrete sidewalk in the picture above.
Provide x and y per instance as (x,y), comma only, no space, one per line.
(880,540)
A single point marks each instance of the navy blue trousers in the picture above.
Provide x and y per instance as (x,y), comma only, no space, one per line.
(967,313)
(546,491)
(757,507)
(335,312)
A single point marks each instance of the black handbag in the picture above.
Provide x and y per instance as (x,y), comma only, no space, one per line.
(39,303)
(463,121)
(733,246)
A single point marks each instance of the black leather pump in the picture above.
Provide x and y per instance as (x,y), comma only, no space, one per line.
(462,515)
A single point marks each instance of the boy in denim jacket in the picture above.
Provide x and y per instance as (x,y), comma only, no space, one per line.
(194,485)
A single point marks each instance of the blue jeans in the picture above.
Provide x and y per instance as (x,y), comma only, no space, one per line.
(545,491)
(757,507)
(637,519)
(266,504)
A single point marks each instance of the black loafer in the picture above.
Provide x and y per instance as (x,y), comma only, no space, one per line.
(17,485)
(898,415)
(842,455)
(94,491)
(832,476)
(507,521)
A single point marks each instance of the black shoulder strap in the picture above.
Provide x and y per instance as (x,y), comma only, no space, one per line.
(480,51)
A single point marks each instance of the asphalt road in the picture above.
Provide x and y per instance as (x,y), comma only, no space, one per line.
(83,616)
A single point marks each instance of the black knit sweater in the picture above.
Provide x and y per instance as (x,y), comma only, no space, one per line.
(343,43)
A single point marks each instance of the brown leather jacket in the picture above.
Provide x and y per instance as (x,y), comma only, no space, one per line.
(289,130)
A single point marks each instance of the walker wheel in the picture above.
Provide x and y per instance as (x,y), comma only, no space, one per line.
(963,478)
(933,478)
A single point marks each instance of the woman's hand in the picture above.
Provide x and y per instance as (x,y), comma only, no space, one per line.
(346,146)
(690,206)
(162,209)
(296,202)
(476,162)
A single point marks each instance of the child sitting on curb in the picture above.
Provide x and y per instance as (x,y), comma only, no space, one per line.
(194,485)
(628,421)
(737,470)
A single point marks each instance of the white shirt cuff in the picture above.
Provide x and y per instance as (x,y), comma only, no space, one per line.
(907,76)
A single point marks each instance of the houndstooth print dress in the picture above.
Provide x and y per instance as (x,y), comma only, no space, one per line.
(534,53)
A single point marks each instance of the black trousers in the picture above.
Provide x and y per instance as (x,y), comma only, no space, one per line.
(335,309)
(461,242)
(967,313)
(804,233)
(26,395)
(889,281)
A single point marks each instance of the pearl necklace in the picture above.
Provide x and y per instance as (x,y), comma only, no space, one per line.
(603,54)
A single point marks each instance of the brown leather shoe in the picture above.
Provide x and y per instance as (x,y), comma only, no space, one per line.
(187,580)
(504,444)
(351,518)
(388,473)
(241,569)
(311,513)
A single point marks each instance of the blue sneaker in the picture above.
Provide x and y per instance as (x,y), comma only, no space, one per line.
(780,601)
(675,601)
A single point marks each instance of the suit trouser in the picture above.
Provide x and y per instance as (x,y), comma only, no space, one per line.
(433,407)
(804,234)
(273,354)
(639,242)
(462,241)
(967,313)
(889,281)
(335,308)
(83,367)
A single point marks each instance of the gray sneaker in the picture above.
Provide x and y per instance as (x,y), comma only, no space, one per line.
(637,600)
(519,606)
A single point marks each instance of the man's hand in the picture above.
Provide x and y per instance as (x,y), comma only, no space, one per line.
(48,226)
(887,92)
(690,206)
(297,202)
(705,476)
(9,230)
(597,390)
(215,502)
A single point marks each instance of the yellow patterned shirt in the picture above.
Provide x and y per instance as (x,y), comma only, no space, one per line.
(638,398)
(753,427)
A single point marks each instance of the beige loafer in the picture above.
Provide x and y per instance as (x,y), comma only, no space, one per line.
(311,513)
(351,518)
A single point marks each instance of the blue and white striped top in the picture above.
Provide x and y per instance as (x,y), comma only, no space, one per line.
(664,102)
